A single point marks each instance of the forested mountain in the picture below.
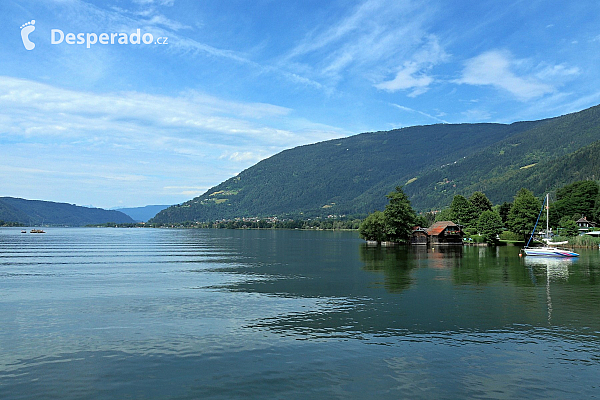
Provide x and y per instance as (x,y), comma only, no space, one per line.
(352,175)
(37,212)
(543,158)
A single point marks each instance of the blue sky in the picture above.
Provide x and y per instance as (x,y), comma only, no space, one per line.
(238,81)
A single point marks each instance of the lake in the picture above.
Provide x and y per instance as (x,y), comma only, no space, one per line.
(108,313)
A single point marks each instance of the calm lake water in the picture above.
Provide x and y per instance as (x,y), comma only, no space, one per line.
(196,314)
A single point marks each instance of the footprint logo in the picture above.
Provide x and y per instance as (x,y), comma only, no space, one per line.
(26,29)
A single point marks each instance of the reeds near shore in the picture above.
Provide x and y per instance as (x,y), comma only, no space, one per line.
(579,241)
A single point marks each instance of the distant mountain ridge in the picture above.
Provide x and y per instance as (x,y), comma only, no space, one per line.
(38,212)
(142,214)
(434,162)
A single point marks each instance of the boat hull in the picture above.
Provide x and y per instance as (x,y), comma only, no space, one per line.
(549,252)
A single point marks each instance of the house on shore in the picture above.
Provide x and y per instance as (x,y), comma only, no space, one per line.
(419,236)
(440,233)
(584,225)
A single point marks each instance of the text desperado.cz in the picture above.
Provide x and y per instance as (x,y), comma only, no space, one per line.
(57,36)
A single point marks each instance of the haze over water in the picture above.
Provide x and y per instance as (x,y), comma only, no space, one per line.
(187,314)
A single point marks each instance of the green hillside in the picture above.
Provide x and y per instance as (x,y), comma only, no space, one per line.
(547,176)
(37,212)
(9,213)
(352,175)
(523,160)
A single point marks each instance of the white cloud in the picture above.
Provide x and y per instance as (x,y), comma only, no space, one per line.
(495,68)
(64,112)
(414,74)
(409,77)
(182,124)
(371,42)
(38,110)
(244,156)
(97,144)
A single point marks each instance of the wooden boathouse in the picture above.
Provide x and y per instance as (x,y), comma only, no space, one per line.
(440,233)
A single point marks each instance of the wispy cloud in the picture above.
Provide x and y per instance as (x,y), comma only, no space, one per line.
(414,74)
(168,3)
(98,139)
(557,72)
(31,108)
(476,115)
(149,17)
(496,68)
(190,191)
(408,109)
(376,39)
(355,23)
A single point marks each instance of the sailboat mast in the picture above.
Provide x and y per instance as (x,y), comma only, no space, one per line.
(547,214)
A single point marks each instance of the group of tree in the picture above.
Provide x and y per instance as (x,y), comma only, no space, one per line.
(395,223)
(477,214)
(314,223)
(573,201)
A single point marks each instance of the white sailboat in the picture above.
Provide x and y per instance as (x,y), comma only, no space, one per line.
(547,249)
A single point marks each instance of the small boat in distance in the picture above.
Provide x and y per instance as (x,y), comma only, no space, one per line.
(546,249)
(23,231)
(36,231)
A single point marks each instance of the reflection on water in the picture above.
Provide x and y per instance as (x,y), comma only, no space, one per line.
(131,313)
(397,262)
(557,268)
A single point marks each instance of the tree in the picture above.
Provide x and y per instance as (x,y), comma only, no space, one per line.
(374,227)
(480,203)
(523,213)
(503,210)
(445,215)
(399,216)
(463,210)
(422,221)
(489,225)
(578,198)
(568,227)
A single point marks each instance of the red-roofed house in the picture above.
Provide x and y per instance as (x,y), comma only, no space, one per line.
(440,233)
